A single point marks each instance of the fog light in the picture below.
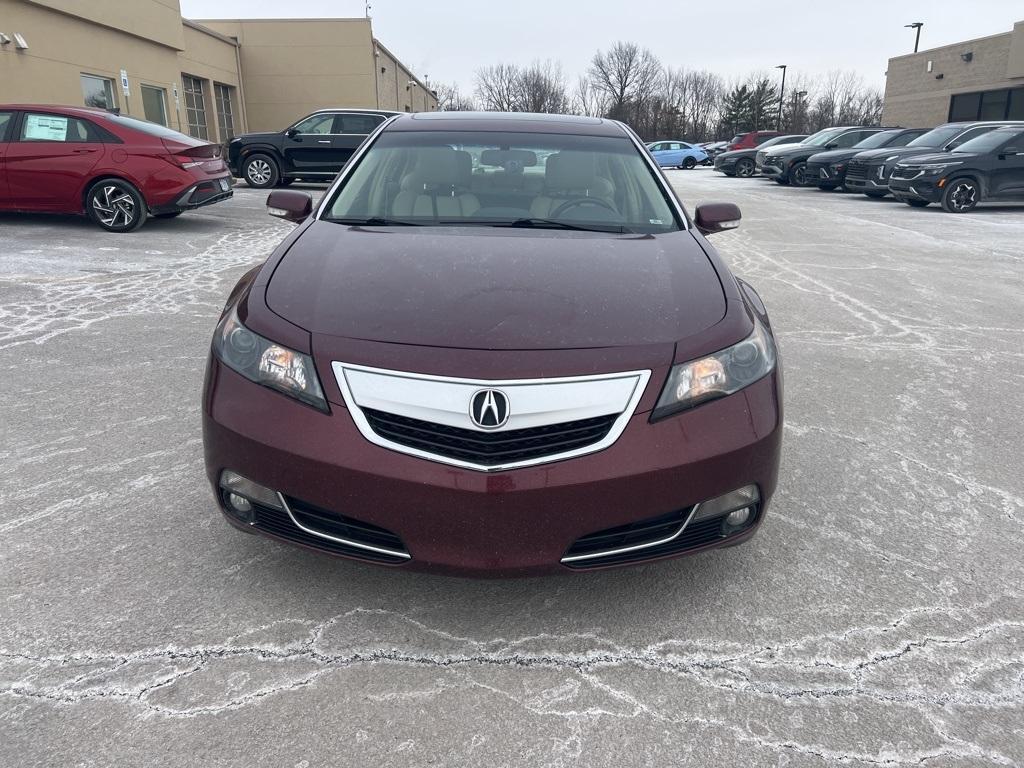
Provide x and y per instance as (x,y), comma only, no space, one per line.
(741,500)
(738,518)
(239,503)
(248,491)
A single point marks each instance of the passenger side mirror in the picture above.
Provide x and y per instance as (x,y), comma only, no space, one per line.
(1010,152)
(291,133)
(289,205)
(716,217)
(832,145)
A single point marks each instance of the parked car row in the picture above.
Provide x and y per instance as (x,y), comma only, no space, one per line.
(956,165)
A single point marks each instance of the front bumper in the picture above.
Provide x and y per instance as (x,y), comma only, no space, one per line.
(866,178)
(822,174)
(518,522)
(725,166)
(915,189)
(773,169)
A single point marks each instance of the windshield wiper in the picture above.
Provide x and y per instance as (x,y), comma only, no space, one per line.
(540,223)
(377,221)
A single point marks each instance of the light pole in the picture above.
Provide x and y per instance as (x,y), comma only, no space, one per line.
(782,91)
(916,25)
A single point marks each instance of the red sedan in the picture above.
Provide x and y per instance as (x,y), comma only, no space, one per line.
(498,346)
(117,170)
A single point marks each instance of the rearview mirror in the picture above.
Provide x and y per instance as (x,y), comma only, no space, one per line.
(289,205)
(716,217)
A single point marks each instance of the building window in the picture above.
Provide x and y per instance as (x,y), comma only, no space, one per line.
(1016,108)
(225,115)
(195,107)
(154,104)
(98,92)
(1001,104)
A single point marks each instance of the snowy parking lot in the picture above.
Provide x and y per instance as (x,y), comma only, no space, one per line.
(876,619)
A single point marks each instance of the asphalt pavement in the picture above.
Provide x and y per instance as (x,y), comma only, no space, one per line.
(876,620)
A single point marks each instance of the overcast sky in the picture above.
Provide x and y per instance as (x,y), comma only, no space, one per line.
(448,40)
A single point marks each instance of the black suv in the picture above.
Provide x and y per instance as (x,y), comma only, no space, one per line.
(740,162)
(989,167)
(789,165)
(828,169)
(869,171)
(313,149)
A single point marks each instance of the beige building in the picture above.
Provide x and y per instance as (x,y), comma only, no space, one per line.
(980,79)
(212,79)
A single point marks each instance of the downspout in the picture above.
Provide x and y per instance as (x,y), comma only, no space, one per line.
(241,88)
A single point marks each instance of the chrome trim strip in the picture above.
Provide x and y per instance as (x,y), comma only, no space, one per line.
(635,547)
(618,426)
(337,539)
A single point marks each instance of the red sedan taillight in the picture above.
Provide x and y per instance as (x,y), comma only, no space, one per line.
(204,156)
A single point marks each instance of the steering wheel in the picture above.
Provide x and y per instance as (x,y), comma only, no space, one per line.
(579,202)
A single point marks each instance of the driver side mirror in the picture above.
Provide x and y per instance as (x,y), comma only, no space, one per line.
(716,217)
(1010,152)
(289,205)
(832,145)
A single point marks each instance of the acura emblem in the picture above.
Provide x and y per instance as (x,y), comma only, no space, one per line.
(488,408)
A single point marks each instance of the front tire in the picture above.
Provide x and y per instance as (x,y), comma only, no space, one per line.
(261,172)
(745,168)
(688,163)
(115,205)
(798,175)
(961,196)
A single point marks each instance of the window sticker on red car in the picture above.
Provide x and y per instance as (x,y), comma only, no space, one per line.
(45,128)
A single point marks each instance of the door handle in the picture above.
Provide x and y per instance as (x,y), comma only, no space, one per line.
(323,141)
(84,151)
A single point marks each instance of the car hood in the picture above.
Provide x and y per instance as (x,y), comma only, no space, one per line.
(873,155)
(496,289)
(942,157)
(833,155)
(736,154)
(259,136)
(779,149)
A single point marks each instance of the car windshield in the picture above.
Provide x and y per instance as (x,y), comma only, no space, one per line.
(521,179)
(937,137)
(879,139)
(782,140)
(823,137)
(990,141)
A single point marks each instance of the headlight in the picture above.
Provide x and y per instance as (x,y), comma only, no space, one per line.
(264,362)
(836,167)
(939,167)
(717,375)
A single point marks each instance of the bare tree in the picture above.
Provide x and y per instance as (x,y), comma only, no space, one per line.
(451,99)
(588,100)
(543,88)
(628,75)
(499,88)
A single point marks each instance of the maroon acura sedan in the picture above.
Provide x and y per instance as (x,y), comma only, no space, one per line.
(115,169)
(497,346)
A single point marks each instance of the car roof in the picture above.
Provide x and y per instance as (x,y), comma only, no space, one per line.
(82,111)
(525,122)
(357,110)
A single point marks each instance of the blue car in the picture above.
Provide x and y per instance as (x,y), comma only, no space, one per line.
(677,154)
